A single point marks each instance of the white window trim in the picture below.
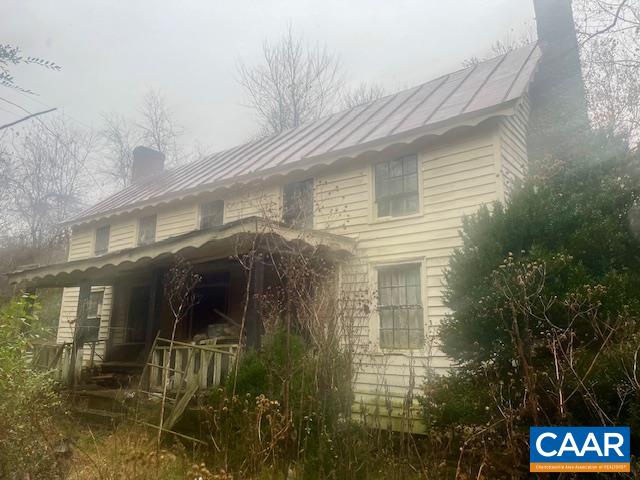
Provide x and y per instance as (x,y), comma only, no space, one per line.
(95,240)
(199,211)
(101,315)
(374,322)
(373,210)
(137,232)
(314,187)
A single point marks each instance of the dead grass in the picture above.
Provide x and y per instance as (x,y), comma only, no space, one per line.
(129,452)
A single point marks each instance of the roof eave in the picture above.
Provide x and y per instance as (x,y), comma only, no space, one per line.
(72,272)
(407,137)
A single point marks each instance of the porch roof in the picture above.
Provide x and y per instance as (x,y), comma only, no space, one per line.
(201,245)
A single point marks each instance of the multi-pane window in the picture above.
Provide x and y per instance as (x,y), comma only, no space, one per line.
(147,230)
(298,204)
(211,214)
(102,240)
(90,328)
(400,307)
(396,187)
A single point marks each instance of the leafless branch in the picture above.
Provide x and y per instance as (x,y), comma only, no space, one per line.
(296,83)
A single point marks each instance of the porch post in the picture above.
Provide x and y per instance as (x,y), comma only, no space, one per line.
(254,325)
(79,333)
(155,295)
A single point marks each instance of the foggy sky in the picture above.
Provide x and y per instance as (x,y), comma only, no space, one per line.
(112,51)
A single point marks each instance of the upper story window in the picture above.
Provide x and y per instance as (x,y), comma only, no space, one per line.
(90,327)
(400,307)
(102,240)
(396,187)
(297,204)
(211,214)
(147,230)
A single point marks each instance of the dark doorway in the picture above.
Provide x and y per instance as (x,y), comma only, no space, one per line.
(211,299)
(137,317)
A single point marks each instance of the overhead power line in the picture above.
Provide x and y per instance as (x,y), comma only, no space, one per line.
(7,125)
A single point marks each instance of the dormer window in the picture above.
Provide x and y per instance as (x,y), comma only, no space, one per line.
(211,214)
(101,245)
(297,204)
(147,230)
(396,187)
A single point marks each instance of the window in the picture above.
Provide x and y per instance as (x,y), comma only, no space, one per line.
(147,230)
(396,186)
(400,307)
(298,204)
(90,328)
(102,240)
(211,214)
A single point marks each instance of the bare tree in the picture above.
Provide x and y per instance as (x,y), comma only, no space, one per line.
(158,127)
(119,140)
(363,93)
(609,42)
(621,18)
(45,170)
(5,193)
(296,82)
(155,128)
(180,292)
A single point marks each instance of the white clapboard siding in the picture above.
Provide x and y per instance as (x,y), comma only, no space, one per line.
(176,221)
(457,178)
(257,201)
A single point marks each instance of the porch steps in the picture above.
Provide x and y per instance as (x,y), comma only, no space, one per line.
(99,404)
(100,413)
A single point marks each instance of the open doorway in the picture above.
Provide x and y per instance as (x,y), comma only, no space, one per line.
(211,305)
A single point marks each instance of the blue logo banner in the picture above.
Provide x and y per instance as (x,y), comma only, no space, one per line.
(579,449)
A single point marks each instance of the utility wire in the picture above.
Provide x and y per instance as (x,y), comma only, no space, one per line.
(44,104)
(33,115)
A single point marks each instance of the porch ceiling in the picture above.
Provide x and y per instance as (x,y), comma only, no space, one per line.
(210,244)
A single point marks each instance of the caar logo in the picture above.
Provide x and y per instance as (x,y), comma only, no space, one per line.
(579,449)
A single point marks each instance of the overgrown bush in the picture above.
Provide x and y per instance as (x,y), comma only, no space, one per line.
(28,435)
(283,406)
(544,295)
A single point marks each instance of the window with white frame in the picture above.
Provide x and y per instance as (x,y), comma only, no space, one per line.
(297,204)
(102,240)
(147,230)
(211,214)
(396,187)
(90,328)
(400,307)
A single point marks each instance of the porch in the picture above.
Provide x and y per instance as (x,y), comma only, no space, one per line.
(131,341)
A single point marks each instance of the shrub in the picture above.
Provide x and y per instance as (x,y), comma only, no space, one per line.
(545,308)
(28,436)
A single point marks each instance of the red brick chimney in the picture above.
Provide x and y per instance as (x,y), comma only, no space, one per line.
(146,162)
(558,122)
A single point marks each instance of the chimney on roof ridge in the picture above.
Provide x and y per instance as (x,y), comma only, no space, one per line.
(146,162)
(558,119)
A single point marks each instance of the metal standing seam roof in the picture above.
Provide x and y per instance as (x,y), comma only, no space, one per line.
(464,92)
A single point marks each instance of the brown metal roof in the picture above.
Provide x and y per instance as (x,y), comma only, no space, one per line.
(471,90)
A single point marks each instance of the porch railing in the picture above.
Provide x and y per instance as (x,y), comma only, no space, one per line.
(54,357)
(189,366)
(57,358)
